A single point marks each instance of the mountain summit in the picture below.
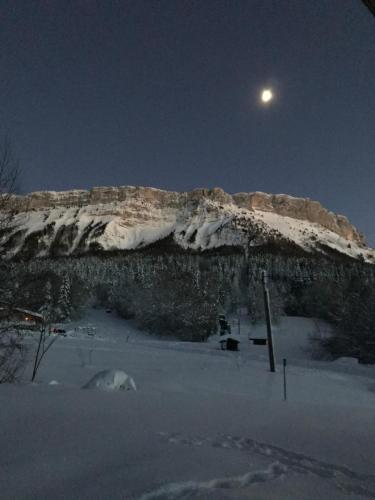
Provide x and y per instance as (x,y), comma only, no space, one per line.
(105,219)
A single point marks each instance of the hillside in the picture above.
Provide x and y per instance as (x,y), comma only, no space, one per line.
(132,218)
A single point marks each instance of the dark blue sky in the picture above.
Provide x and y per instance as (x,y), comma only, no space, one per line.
(165,94)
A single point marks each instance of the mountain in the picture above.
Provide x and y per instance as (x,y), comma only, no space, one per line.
(130,218)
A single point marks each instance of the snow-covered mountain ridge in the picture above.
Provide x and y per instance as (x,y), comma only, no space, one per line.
(128,218)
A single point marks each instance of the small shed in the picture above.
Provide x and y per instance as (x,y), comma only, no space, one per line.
(258,340)
(229,342)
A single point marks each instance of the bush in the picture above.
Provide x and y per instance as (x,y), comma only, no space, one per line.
(12,355)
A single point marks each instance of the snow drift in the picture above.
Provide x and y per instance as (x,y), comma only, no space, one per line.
(111,380)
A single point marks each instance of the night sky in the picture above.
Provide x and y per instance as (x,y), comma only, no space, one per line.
(166,94)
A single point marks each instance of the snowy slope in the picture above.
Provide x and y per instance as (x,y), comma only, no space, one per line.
(60,224)
(203,424)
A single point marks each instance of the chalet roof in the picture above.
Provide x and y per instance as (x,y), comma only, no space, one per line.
(28,312)
(34,314)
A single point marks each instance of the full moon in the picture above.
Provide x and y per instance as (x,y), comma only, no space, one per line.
(266,95)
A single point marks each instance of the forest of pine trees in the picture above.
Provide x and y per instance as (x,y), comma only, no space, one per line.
(181,294)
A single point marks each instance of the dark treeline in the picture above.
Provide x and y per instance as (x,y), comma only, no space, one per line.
(181,294)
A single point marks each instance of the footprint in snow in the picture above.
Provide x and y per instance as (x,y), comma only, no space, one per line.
(343,478)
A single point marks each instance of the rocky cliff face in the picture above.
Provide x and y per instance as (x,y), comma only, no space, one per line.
(281,204)
(129,217)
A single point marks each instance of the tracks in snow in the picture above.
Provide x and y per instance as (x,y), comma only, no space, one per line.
(283,463)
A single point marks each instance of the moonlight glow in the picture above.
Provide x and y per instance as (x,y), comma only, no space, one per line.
(266,95)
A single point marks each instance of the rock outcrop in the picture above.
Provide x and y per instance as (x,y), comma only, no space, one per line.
(281,204)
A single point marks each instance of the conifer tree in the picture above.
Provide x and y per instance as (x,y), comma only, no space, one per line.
(64,298)
(47,307)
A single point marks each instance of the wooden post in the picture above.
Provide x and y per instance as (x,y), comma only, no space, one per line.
(284,372)
(268,321)
(239,318)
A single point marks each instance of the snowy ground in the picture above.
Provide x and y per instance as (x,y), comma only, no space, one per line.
(203,423)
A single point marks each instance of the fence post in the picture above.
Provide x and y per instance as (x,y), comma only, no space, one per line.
(284,372)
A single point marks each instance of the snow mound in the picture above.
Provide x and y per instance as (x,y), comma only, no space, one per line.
(54,382)
(346,361)
(111,380)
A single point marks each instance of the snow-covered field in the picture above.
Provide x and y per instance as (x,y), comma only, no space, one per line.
(202,424)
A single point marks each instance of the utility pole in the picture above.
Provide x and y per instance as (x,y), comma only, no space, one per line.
(267,309)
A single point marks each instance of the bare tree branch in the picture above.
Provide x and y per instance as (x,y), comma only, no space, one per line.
(12,348)
(45,342)
(370,4)
(9,175)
